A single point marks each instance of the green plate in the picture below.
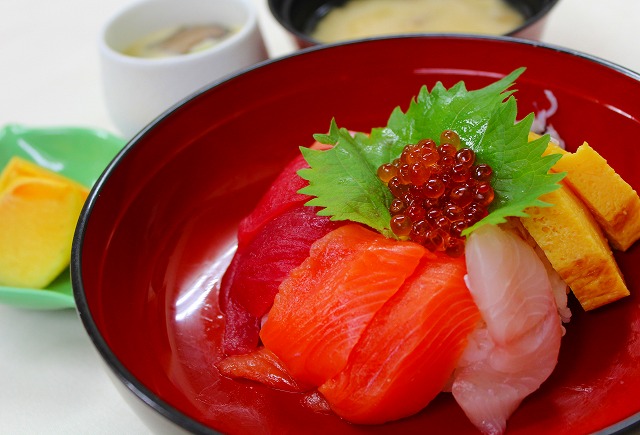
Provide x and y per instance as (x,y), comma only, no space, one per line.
(78,153)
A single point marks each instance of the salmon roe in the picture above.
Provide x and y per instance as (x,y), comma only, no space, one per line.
(438,192)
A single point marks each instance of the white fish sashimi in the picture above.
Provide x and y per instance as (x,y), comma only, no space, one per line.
(559,288)
(517,349)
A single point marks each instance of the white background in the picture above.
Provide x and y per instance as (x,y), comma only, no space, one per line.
(51,378)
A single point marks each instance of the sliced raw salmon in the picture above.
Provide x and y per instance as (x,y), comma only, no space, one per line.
(410,348)
(323,306)
(262,366)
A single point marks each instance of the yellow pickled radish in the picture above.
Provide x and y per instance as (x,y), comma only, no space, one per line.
(39,210)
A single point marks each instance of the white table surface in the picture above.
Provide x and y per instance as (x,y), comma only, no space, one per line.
(52,380)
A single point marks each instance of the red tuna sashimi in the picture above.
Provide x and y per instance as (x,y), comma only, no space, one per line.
(280,197)
(252,279)
(410,348)
(281,245)
(241,329)
(324,305)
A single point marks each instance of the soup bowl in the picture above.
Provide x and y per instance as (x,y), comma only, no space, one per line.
(301,17)
(159,229)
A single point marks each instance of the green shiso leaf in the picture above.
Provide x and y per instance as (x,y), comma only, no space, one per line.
(343,179)
(521,173)
(344,184)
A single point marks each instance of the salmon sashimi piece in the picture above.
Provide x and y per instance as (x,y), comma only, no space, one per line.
(323,306)
(410,348)
(517,349)
(252,279)
(262,366)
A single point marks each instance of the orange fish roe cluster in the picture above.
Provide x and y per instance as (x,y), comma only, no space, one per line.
(438,192)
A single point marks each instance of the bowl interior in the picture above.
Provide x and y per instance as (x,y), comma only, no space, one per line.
(159,229)
(302,16)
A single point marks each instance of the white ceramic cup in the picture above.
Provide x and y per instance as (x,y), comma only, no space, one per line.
(137,90)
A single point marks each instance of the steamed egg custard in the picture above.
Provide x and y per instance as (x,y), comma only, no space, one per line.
(366,18)
(179,40)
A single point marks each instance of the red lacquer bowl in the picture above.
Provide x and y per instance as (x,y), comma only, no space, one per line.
(159,228)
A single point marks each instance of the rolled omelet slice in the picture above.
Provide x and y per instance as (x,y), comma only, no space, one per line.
(39,210)
(612,201)
(576,248)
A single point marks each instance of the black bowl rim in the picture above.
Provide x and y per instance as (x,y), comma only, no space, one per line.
(138,389)
(277,13)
